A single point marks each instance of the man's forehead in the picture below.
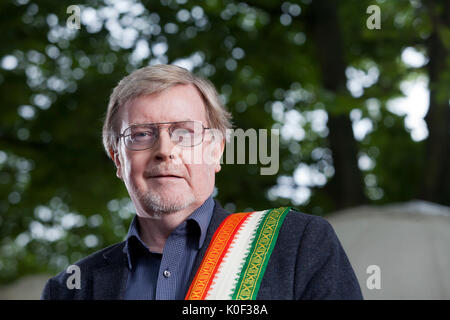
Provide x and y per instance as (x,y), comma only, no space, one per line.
(178,103)
(146,122)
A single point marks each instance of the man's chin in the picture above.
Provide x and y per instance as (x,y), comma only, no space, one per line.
(157,203)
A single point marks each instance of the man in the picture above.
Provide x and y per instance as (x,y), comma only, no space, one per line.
(165,130)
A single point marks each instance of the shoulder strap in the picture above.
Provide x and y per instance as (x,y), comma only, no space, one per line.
(237,256)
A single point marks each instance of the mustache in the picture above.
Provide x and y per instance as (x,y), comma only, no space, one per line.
(164,171)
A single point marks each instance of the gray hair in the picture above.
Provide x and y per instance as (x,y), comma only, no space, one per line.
(155,79)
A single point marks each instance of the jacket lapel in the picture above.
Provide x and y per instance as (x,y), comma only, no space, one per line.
(110,280)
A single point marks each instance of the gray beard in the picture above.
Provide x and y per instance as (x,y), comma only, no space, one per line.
(157,206)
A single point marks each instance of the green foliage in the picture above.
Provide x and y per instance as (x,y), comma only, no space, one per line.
(59,197)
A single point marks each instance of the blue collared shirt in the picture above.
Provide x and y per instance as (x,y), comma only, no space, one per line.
(155,276)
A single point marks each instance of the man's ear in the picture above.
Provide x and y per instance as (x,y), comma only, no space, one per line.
(220,145)
(114,154)
(215,142)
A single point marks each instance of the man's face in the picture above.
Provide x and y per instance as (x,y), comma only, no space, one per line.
(165,179)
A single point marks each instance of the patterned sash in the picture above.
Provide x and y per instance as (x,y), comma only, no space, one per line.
(236,258)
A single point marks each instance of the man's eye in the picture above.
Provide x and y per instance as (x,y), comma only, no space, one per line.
(182,131)
(140,135)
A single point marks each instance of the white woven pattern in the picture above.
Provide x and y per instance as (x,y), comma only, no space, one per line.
(229,270)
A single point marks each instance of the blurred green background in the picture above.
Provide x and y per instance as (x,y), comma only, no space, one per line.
(363,113)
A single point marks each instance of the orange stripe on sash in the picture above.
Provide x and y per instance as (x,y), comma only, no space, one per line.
(216,250)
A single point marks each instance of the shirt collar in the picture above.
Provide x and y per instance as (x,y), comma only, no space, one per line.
(201,217)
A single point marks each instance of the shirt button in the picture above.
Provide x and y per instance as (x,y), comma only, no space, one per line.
(166,273)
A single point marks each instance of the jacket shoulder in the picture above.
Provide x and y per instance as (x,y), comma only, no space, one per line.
(323,270)
(56,285)
(310,223)
(94,259)
(308,262)
(313,235)
(302,223)
(302,230)
(304,218)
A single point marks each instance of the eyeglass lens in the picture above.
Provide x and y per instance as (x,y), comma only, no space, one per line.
(185,133)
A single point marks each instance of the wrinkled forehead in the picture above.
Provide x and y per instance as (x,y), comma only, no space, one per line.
(178,103)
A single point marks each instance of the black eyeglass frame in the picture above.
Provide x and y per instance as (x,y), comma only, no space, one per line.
(122,135)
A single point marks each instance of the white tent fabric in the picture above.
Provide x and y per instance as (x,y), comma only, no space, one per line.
(409,242)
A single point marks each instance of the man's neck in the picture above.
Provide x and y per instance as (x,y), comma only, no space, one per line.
(155,231)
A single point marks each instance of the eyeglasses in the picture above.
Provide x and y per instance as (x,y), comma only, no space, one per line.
(183,133)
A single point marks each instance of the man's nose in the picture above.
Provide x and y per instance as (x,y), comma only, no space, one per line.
(164,147)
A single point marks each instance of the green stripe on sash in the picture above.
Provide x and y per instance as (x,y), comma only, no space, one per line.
(255,265)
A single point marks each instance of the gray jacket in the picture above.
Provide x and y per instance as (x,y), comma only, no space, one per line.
(307,262)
